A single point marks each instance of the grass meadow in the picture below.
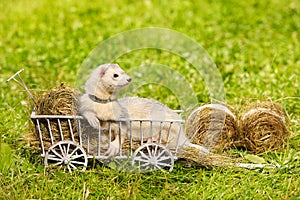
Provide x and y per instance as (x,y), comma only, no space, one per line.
(255,45)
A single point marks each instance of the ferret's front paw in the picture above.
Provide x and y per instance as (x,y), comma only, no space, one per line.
(112,150)
(94,122)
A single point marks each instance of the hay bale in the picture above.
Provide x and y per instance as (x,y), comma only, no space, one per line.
(61,100)
(213,126)
(58,101)
(263,127)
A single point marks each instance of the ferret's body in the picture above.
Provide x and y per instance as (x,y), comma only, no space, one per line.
(100,103)
(158,114)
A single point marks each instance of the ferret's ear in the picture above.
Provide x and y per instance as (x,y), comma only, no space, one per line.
(102,70)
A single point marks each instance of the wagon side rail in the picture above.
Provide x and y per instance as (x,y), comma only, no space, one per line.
(47,135)
(92,142)
(131,144)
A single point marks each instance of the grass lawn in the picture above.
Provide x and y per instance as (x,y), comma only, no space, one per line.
(255,45)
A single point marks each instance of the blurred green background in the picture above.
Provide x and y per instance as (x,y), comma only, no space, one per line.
(255,45)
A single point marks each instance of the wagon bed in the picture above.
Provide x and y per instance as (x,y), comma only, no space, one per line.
(68,142)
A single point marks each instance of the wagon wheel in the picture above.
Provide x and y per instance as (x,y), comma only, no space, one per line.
(152,156)
(67,155)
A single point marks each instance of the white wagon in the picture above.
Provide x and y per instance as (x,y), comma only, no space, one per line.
(68,142)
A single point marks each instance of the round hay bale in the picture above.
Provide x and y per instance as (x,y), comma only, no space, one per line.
(263,127)
(61,100)
(213,126)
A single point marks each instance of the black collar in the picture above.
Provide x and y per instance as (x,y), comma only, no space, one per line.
(97,100)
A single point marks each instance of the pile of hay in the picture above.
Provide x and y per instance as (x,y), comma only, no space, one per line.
(213,126)
(263,127)
(57,101)
(207,160)
(61,100)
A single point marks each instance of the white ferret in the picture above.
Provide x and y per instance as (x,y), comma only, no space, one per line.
(99,103)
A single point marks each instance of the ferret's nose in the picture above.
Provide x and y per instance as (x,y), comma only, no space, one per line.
(129,79)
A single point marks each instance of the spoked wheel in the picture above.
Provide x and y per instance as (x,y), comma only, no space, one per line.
(67,155)
(152,156)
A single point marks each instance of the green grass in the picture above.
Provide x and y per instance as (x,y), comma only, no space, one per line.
(255,45)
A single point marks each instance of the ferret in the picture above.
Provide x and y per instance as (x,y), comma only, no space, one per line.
(100,103)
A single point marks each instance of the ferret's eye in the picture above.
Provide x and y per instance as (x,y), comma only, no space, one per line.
(116,75)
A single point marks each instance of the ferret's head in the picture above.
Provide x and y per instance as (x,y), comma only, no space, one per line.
(109,77)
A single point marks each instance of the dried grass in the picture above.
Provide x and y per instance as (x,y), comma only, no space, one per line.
(61,100)
(263,127)
(207,160)
(212,128)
